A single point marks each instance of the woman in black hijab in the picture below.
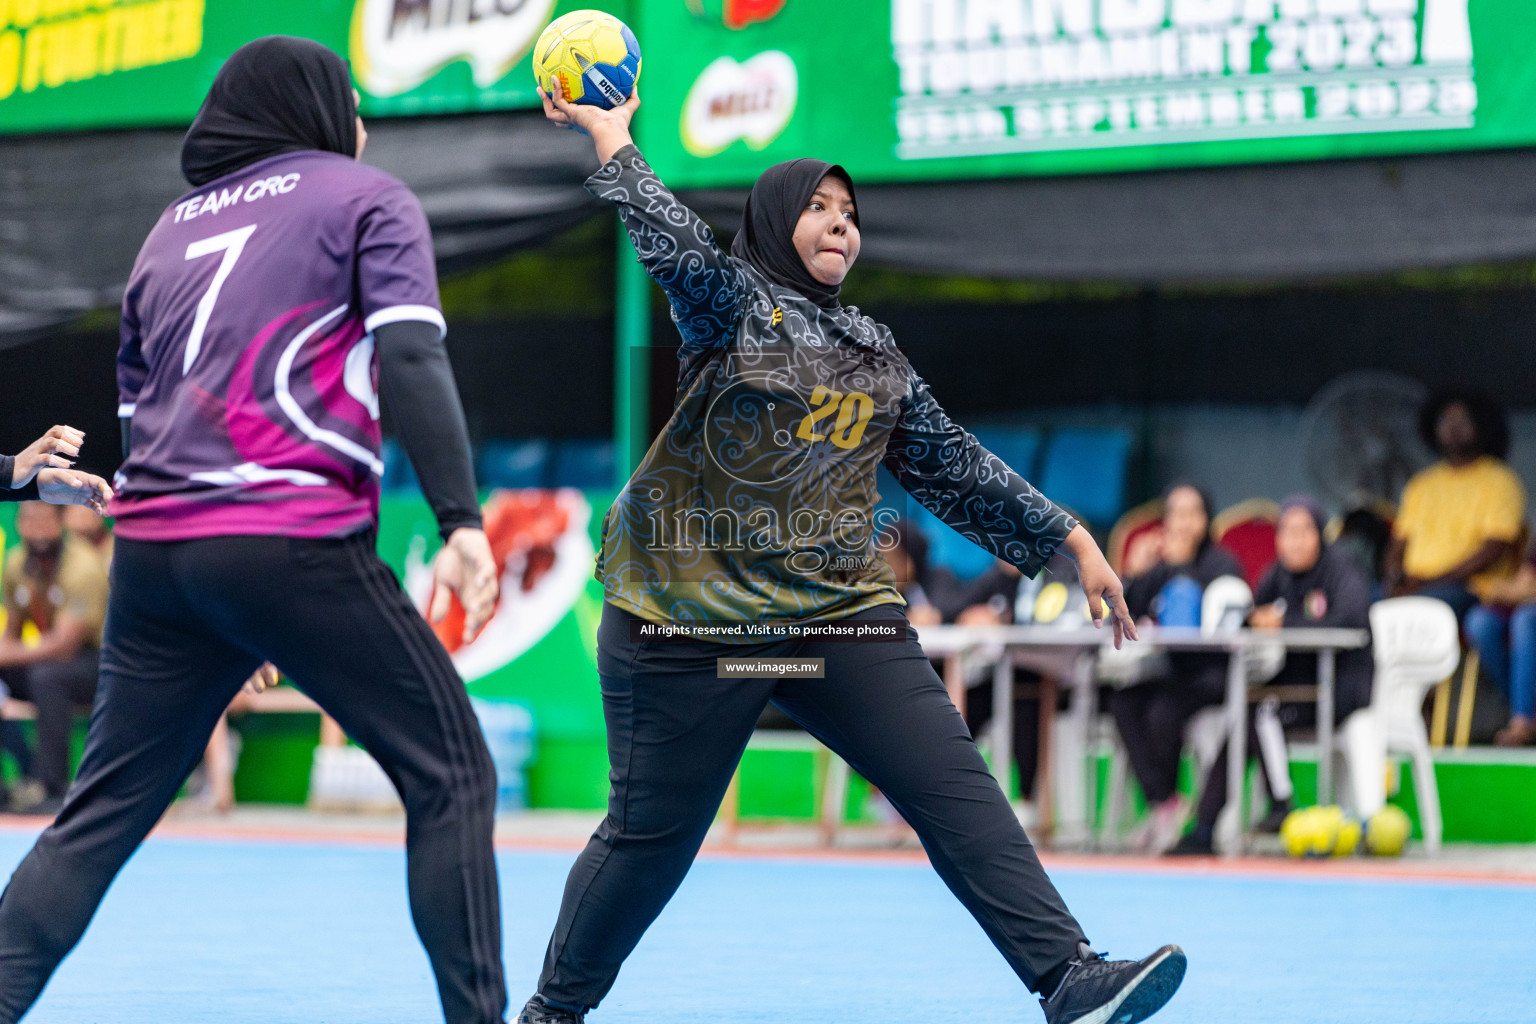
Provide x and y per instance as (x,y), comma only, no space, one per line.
(770,224)
(247,509)
(750,529)
(1151,716)
(1313,584)
(278,94)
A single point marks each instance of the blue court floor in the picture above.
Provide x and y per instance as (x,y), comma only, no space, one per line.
(241,930)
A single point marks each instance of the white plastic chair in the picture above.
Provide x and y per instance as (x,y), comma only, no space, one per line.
(1416,642)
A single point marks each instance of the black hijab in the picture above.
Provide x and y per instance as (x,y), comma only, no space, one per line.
(278,94)
(1310,506)
(766,238)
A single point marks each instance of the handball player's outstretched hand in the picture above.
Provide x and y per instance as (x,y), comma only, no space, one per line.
(1100,584)
(609,129)
(466,569)
(72,487)
(58,447)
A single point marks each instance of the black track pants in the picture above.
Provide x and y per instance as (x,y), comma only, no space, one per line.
(675,735)
(1151,717)
(188,622)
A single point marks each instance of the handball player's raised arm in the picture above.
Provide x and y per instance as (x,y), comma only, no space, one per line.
(262,309)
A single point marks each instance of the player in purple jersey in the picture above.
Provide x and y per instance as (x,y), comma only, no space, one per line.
(263,311)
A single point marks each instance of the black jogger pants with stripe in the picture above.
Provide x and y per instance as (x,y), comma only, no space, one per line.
(675,734)
(188,623)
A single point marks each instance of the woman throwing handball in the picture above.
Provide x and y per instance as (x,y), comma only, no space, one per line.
(256,315)
(754,507)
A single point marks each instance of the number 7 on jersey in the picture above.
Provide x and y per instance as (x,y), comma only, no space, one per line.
(231,244)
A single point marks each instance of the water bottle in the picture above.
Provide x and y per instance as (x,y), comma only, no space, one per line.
(509,735)
(1178,603)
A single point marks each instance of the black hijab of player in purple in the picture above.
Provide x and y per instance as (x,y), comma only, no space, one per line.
(277,94)
(767,236)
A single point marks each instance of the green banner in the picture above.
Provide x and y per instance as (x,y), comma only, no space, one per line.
(936,89)
(73,64)
(895,89)
(539,647)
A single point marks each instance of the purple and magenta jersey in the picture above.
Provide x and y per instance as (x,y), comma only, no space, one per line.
(247,358)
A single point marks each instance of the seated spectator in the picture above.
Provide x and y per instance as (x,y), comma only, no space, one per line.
(214,784)
(1151,716)
(992,599)
(1312,584)
(1461,519)
(1365,533)
(986,600)
(60,586)
(86,525)
(922,584)
(1504,631)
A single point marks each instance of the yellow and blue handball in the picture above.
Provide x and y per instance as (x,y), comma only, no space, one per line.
(1347,839)
(1320,832)
(590,56)
(1387,832)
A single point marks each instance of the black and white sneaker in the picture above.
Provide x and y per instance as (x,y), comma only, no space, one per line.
(1099,991)
(539,1012)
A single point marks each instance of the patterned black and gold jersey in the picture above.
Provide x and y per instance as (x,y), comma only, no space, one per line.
(757,502)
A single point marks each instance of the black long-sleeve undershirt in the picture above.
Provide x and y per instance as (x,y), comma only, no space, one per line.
(8,473)
(417,384)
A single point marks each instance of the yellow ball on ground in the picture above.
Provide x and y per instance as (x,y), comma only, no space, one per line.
(1348,839)
(1299,833)
(1387,832)
(1319,832)
(1329,819)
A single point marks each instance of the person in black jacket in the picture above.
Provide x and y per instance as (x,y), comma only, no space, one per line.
(42,471)
(1151,716)
(1313,584)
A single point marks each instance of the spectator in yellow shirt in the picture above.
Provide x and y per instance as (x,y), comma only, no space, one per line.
(1461,520)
